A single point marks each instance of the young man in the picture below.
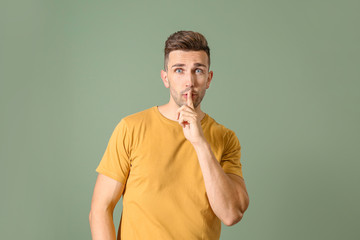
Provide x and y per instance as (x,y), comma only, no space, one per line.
(178,170)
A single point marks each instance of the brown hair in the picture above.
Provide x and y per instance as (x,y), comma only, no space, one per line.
(186,41)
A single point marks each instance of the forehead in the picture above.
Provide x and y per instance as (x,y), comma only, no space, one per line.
(188,57)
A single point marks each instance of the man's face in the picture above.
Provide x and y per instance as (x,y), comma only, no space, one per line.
(187,70)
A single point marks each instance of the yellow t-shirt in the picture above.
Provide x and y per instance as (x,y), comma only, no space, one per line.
(165,195)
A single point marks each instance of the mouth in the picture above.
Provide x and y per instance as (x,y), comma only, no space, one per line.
(192,95)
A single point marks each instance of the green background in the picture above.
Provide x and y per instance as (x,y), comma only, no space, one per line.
(286,80)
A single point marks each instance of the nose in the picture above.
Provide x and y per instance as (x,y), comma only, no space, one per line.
(189,80)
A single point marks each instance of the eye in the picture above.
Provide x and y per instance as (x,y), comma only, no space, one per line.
(178,70)
(198,70)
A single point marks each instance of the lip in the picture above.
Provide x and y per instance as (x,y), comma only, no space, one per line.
(193,95)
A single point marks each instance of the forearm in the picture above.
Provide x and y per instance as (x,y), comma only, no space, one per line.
(221,192)
(102,225)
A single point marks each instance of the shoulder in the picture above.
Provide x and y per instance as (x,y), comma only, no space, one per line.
(139,115)
(230,140)
(218,128)
(219,134)
(138,118)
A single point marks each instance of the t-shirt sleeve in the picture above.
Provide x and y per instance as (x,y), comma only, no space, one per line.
(115,162)
(230,161)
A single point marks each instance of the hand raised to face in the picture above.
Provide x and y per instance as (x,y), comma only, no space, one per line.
(190,120)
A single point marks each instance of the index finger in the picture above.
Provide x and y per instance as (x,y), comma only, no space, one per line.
(189,99)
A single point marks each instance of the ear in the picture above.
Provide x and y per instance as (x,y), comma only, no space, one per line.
(165,78)
(211,74)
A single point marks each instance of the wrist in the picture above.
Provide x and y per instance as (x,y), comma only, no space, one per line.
(201,144)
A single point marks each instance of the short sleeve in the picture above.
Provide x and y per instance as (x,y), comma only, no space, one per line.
(115,162)
(230,161)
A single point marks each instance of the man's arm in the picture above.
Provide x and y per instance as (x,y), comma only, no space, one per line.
(107,193)
(226,192)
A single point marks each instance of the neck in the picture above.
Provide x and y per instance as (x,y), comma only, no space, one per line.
(169,110)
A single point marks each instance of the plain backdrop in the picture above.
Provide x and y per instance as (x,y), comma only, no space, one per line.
(286,80)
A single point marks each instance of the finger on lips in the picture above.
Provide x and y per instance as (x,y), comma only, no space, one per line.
(189,99)
(186,110)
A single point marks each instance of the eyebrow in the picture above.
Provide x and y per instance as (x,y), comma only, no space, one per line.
(182,65)
(177,65)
